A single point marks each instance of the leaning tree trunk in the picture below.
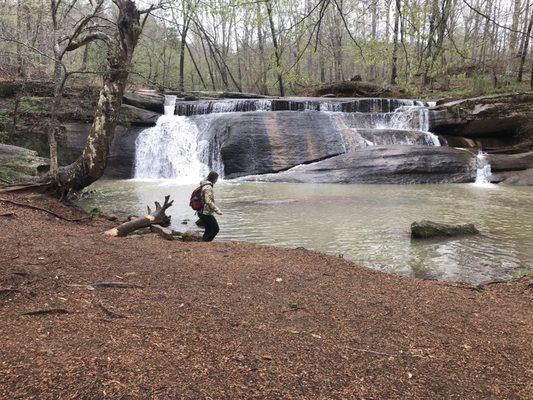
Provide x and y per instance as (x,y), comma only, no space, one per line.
(90,166)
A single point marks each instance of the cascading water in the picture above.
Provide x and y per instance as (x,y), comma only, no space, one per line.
(483,172)
(170,104)
(169,150)
(184,145)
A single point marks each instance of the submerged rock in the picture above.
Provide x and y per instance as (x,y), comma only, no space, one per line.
(519,178)
(427,229)
(385,164)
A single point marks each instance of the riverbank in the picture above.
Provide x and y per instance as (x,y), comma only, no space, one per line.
(235,320)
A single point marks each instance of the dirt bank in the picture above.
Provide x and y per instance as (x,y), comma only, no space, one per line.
(240,321)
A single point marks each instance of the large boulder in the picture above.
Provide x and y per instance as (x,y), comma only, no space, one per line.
(510,162)
(355,88)
(503,116)
(130,115)
(263,142)
(145,99)
(385,164)
(121,161)
(17,163)
(429,229)
(520,178)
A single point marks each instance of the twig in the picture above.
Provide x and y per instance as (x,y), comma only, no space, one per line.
(124,285)
(110,313)
(22,187)
(44,210)
(42,311)
(4,293)
(8,214)
(381,353)
(136,325)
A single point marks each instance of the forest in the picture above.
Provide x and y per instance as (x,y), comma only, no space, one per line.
(284,47)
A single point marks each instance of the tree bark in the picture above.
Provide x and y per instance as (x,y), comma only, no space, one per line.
(90,166)
(524,49)
(394,66)
(276,48)
(158,217)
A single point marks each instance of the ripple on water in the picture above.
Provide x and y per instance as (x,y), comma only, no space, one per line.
(368,224)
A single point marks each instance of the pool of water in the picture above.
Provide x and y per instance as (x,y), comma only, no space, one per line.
(368,224)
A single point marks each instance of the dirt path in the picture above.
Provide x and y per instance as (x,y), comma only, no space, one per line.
(240,321)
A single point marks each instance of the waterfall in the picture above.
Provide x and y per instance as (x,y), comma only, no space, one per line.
(170,104)
(483,172)
(184,146)
(169,150)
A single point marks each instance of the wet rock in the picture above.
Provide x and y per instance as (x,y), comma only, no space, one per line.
(427,229)
(503,116)
(264,142)
(520,178)
(190,236)
(130,115)
(121,160)
(510,162)
(145,99)
(385,164)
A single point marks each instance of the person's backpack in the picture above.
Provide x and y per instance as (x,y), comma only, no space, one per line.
(197,202)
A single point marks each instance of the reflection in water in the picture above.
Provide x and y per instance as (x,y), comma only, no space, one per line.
(368,224)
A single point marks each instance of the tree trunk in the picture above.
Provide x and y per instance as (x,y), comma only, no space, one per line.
(524,49)
(183,43)
(276,48)
(90,166)
(394,66)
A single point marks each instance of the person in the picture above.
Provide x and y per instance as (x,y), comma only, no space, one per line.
(206,213)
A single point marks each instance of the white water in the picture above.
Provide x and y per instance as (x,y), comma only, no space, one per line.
(170,104)
(483,172)
(169,150)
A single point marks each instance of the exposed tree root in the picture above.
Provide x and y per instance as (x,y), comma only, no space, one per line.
(43,311)
(44,210)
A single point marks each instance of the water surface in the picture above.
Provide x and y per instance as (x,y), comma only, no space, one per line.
(368,224)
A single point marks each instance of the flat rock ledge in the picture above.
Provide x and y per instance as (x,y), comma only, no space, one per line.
(428,229)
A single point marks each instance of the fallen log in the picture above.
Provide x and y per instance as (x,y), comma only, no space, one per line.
(158,217)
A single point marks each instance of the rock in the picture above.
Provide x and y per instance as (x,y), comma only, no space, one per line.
(17,163)
(428,229)
(163,232)
(145,99)
(503,116)
(190,236)
(385,164)
(356,89)
(263,142)
(121,160)
(520,178)
(510,162)
(130,115)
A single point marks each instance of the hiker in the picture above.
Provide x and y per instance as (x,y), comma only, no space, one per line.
(209,207)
